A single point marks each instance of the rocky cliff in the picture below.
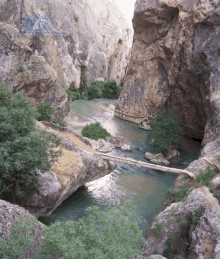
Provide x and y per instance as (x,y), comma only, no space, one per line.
(77,165)
(174,65)
(46,45)
(9,215)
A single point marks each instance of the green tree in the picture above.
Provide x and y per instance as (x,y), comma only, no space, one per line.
(22,149)
(95,90)
(111,90)
(95,131)
(165,133)
(111,234)
(74,94)
(45,111)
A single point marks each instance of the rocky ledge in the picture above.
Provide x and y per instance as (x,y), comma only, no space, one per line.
(189,229)
(77,165)
(10,212)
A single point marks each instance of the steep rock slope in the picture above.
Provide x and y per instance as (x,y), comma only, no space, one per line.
(46,45)
(11,212)
(174,64)
(77,165)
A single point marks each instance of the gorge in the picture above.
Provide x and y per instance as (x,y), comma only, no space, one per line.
(173,66)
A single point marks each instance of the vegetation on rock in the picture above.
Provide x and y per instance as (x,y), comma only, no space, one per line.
(45,111)
(108,89)
(74,95)
(111,234)
(165,134)
(22,149)
(95,131)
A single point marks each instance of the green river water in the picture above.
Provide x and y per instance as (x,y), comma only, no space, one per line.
(146,188)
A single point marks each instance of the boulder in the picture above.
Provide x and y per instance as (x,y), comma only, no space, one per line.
(145,125)
(172,153)
(126,147)
(104,146)
(118,142)
(156,159)
(216,182)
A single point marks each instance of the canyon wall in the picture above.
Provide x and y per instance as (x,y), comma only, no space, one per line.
(174,65)
(46,45)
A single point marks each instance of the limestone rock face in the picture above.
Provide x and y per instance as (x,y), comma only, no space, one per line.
(174,65)
(116,141)
(77,165)
(45,45)
(179,224)
(10,212)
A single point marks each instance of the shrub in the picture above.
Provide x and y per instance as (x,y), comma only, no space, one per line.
(45,111)
(167,253)
(196,219)
(180,193)
(95,90)
(111,90)
(20,238)
(21,148)
(178,219)
(59,122)
(156,251)
(74,95)
(159,227)
(170,238)
(21,69)
(111,234)
(165,132)
(95,131)
(204,179)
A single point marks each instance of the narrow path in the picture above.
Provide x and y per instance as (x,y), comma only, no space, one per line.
(137,163)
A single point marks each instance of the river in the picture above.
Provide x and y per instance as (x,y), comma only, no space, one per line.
(146,188)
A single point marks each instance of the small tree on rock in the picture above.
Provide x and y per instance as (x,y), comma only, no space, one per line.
(165,133)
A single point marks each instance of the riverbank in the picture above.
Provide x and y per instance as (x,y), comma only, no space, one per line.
(146,188)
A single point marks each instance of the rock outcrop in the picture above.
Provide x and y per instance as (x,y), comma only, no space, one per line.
(189,229)
(47,47)
(10,212)
(174,65)
(77,165)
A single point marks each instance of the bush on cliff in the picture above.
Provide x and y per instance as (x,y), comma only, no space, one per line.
(108,89)
(74,95)
(45,111)
(95,90)
(165,133)
(111,90)
(22,149)
(95,131)
(111,234)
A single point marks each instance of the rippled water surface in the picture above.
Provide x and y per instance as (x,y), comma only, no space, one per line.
(146,188)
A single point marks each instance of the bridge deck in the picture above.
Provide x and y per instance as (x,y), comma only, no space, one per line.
(137,163)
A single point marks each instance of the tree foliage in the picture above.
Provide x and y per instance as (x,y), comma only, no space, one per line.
(22,149)
(165,133)
(45,111)
(111,90)
(95,131)
(74,94)
(111,234)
